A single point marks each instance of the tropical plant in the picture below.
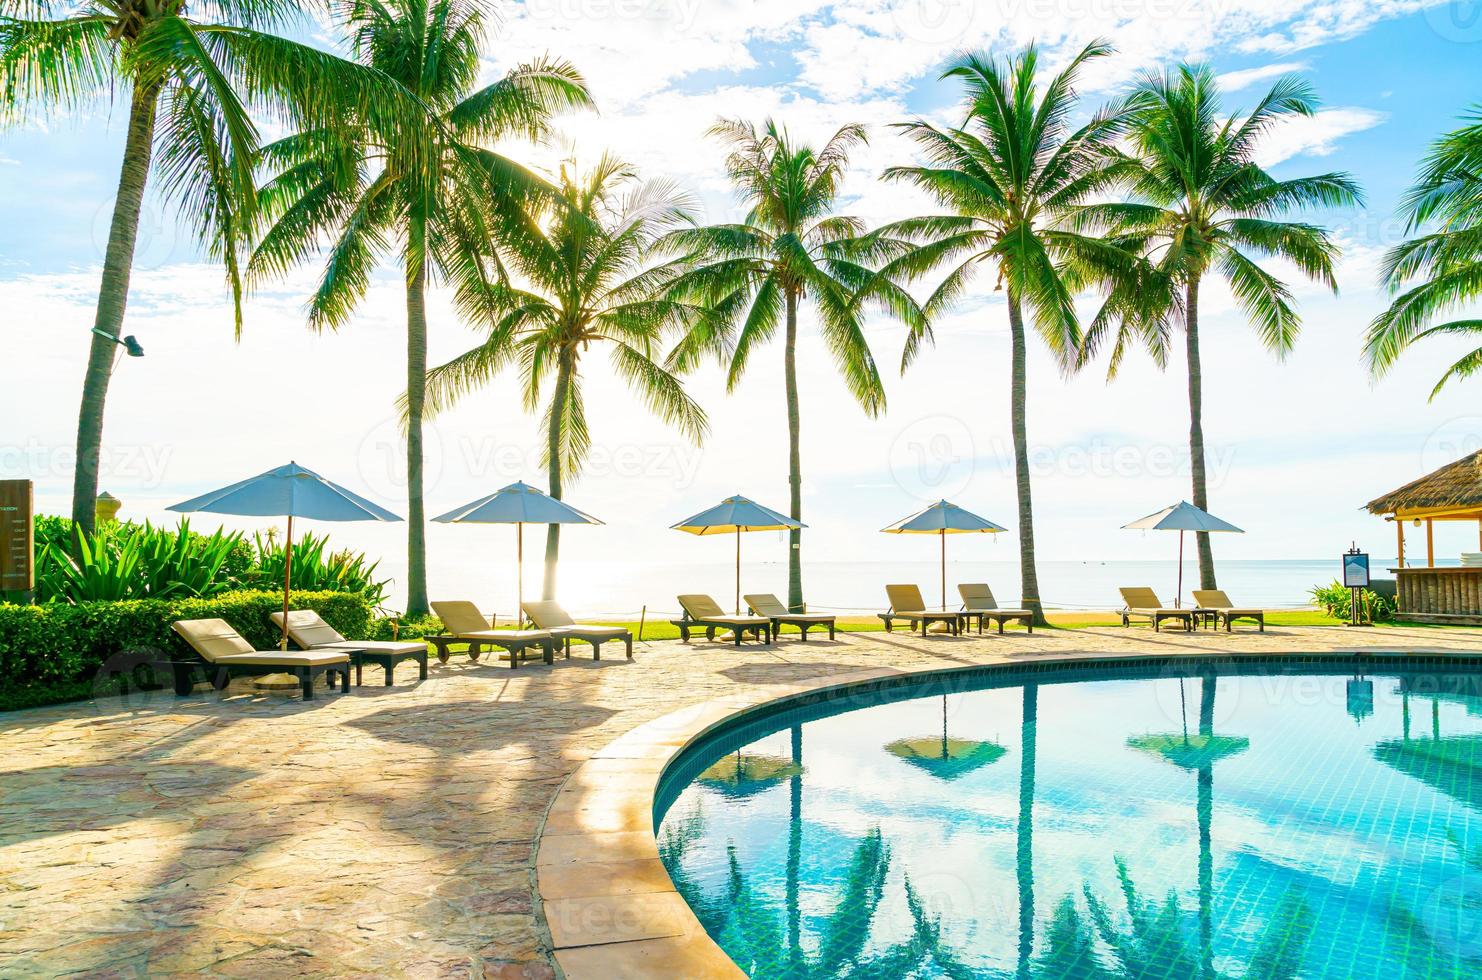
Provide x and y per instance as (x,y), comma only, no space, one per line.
(316,568)
(789,248)
(1005,177)
(1336,599)
(1439,271)
(432,192)
(587,270)
(1202,206)
(191,87)
(128,561)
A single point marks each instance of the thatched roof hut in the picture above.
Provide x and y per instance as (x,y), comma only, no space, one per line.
(1451,493)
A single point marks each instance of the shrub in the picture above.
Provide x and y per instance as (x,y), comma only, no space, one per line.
(404,627)
(131,561)
(316,568)
(1337,600)
(54,652)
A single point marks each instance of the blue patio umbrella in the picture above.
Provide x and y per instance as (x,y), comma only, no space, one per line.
(943,518)
(287,491)
(518,504)
(734,515)
(1182,516)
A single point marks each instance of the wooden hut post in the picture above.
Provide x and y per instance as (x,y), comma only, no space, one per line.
(1430,543)
(1400,533)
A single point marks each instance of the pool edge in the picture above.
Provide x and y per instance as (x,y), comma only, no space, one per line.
(605,900)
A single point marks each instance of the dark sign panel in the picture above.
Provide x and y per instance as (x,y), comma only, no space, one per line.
(17,541)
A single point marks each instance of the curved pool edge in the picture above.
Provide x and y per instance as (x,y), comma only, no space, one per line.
(608,905)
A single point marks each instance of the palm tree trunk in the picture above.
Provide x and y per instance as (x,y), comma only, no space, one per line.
(559,400)
(795,856)
(1024,851)
(1205,808)
(794,459)
(113,297)
(1196,429)
(416,394)
(1028,576)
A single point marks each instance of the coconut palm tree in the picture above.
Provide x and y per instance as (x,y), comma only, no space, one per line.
(1436,272)
(789,248)
(587,270)
(191,86)
(1202,206)
(434,194)
(1005,176)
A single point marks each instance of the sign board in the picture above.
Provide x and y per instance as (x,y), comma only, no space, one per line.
(1355,570)
(17,537)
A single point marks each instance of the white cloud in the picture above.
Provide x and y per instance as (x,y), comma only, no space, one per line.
(6,161)
(1316,135)
(1234,81)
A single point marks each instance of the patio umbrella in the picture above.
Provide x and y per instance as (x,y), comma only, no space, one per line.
(943,518)
(739,776)
(734,515)
(1182,516)
(287,491)
(518,504)
(944,757)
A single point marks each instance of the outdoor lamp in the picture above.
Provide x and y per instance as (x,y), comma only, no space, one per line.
(130,344)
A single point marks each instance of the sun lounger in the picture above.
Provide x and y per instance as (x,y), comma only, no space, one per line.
(978,603)
(703,611)
(771,607)
(1143,603)
(309,631)
(1214,601)
(226,655)
(549,616)
(906,603)
(466,625)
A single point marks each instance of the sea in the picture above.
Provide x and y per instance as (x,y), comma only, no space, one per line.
(625,590)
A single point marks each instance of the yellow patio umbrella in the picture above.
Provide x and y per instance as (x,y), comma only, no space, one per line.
(732,516)
(943,518)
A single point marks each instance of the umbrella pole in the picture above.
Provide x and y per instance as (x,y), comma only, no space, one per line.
(1178,600)
(519,574)
(738,570)
(287,580)
(943,536)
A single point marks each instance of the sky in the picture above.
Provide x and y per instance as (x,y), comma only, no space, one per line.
(1296,447)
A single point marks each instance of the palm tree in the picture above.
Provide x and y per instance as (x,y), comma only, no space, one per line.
(192,86)
(589,270)
(433,192)
(789,248)
(1005,176)
(1202,205)
(1441,270)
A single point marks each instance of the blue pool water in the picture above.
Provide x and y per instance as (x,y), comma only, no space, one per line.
(1238,821)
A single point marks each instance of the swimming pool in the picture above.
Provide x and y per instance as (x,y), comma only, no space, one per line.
(1160,821)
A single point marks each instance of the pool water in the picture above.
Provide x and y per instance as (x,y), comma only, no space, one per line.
(1173,822)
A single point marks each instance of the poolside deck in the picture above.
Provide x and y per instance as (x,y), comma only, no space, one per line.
(391,831)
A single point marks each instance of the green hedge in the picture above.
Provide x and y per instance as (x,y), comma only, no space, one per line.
(53,652)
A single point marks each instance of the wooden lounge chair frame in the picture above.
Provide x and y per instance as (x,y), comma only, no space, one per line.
(978,603)
(705,612)
(1214,602)
(548,615)
(309,631)
(906,603)
(234,657)
(768,605)
(1143,603)
(514,642)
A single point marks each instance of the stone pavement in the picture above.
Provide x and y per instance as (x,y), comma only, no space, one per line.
(389,832)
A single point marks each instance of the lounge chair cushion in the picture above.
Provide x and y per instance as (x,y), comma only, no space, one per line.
(766,604)
(293,658)
(905,598)
(218,643)
(309,631)
(977,597)
(511,636)
(548,614)
(1217,600)
(461,618)
(1145,601)
(706,609)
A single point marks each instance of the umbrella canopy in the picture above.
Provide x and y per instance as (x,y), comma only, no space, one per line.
(518,504)
(945,757)
(943,518)
(287,491)
(739,776)
(1182,516)
(732,516)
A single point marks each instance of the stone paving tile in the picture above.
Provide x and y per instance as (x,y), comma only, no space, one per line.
(391,832)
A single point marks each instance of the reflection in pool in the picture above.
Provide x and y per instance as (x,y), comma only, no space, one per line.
(1242,822)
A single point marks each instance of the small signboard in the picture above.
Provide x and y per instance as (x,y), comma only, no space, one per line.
(17,537)
(1355,570)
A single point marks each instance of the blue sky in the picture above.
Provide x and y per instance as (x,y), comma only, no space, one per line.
(1298,447)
